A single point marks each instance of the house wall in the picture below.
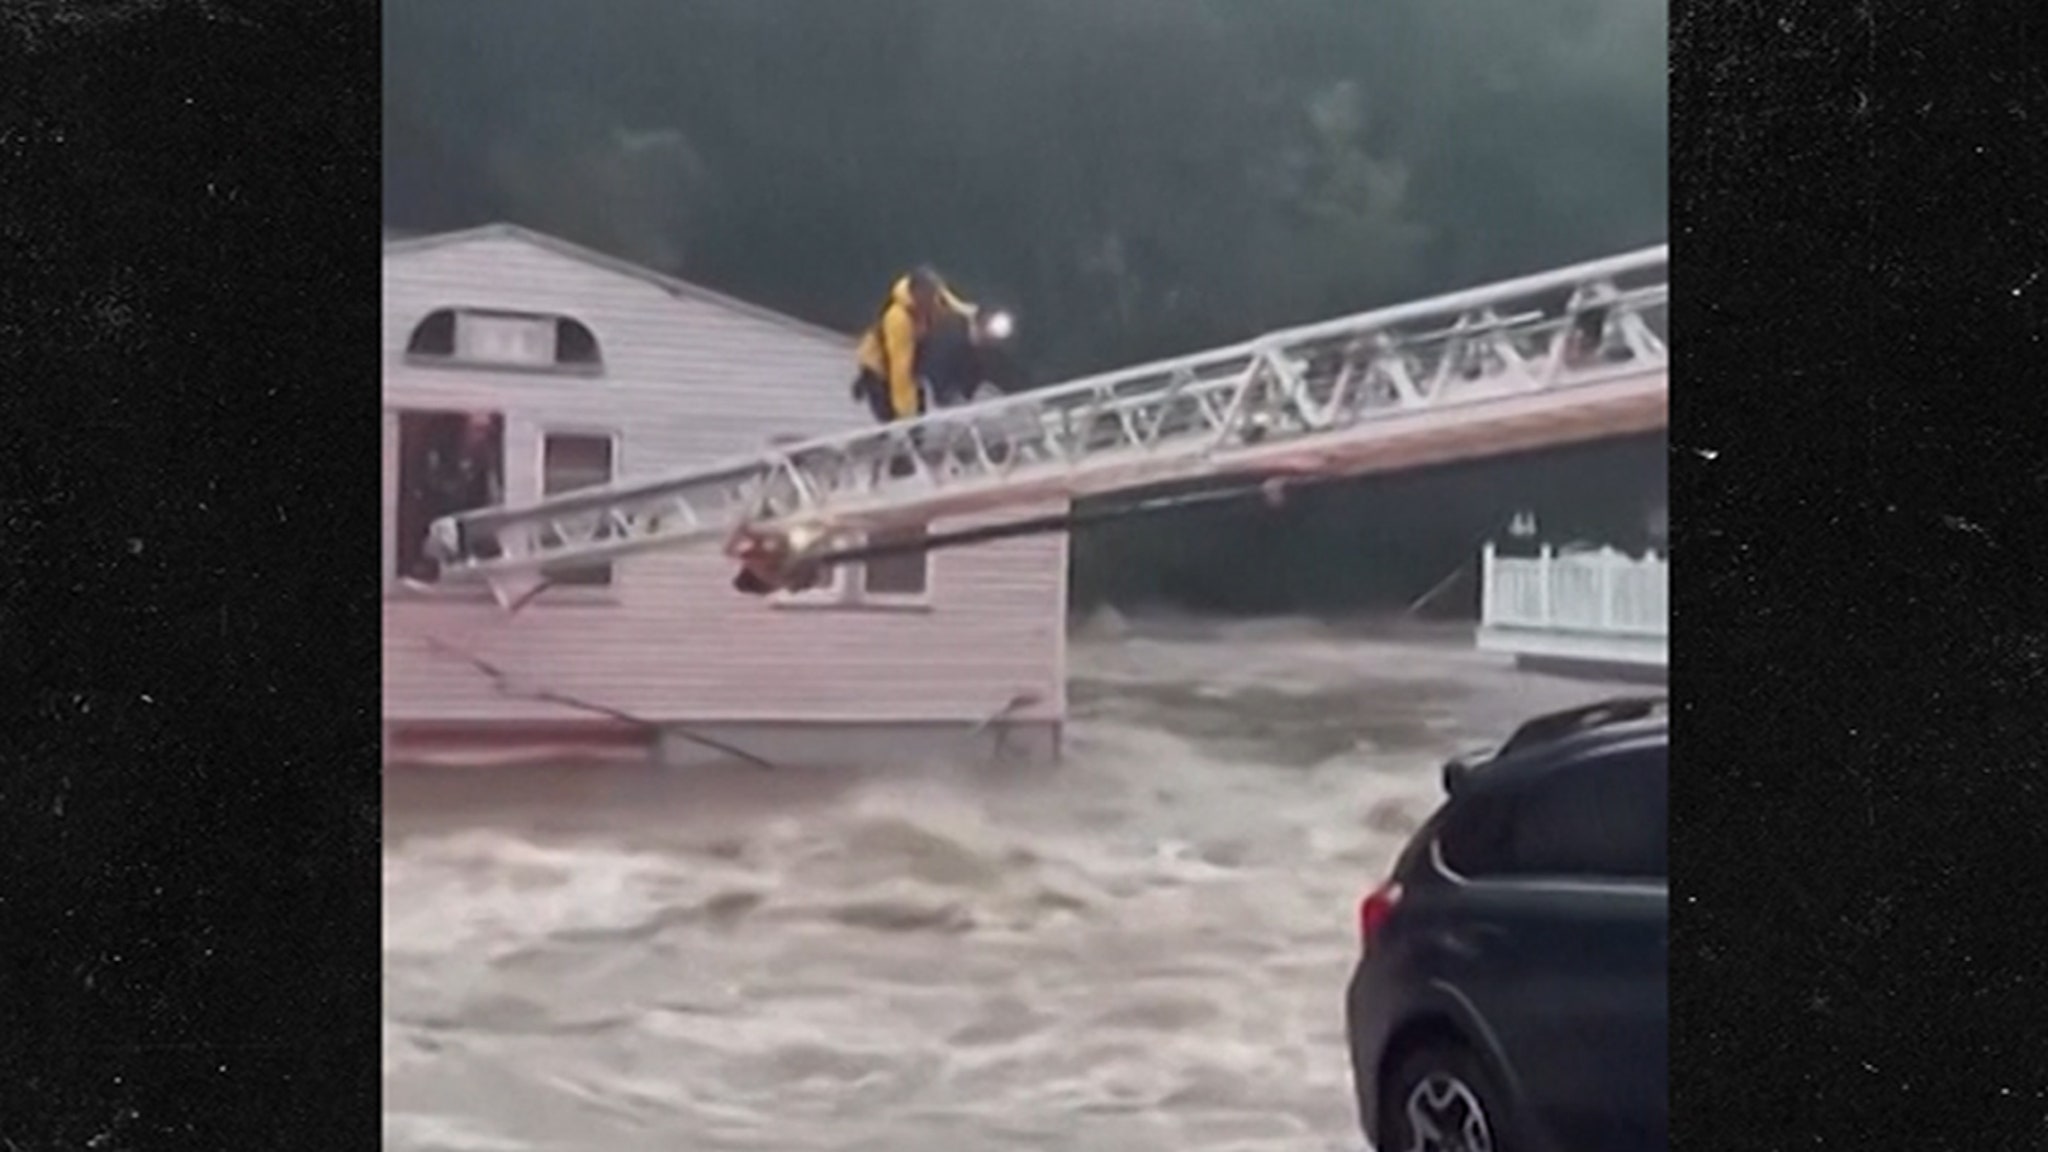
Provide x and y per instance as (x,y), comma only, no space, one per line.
(688,381)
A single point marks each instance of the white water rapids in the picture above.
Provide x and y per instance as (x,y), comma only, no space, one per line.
(1143,949)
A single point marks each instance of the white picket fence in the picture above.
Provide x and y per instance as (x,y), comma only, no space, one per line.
(1589,594)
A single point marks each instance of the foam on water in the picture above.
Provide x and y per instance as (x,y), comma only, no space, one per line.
(1142,949)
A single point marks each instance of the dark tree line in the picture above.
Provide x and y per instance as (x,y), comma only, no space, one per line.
(1134,177)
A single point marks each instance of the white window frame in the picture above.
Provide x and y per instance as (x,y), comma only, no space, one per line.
(846,590)
(543,357)
(562,595)
(838,591)
(536,346)
(901,599)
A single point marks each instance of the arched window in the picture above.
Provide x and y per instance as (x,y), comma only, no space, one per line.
(433,336)
(494,338)
(576,345)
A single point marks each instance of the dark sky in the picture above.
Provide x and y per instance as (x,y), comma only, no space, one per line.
(1135,177)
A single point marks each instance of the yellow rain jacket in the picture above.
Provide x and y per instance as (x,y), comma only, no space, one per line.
(889,347)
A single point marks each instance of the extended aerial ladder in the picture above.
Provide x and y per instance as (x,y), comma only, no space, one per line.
(1569,355)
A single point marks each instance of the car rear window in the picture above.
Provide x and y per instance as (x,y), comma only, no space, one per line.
(1603,818)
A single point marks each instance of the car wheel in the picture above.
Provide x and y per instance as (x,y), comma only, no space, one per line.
(1442,1099)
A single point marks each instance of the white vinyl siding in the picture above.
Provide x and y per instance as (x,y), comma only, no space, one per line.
(688,381)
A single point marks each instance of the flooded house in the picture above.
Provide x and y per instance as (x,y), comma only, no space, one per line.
(518,365)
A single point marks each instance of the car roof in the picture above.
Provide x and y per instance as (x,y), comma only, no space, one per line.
(1557,738)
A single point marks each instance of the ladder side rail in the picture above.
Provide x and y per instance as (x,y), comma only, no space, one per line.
(1128,471)
(1467,300)
(530,557)
(1115,415)
(1454,303)
(873,507)
(651,490)
(466,542)
(1224,433)
(1080,390)
(803,470)
(787,478)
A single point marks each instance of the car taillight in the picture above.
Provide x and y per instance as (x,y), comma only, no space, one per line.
(1374,910)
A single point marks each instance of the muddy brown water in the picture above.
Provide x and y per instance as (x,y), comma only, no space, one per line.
(1143,948)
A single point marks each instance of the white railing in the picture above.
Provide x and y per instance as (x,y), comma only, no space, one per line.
(1604,593)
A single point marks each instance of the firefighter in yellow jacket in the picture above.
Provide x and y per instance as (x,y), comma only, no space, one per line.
(919,307)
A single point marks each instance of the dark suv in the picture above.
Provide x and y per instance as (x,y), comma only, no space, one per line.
(1511,992)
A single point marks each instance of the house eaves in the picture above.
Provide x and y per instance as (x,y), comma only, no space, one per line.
(681,289)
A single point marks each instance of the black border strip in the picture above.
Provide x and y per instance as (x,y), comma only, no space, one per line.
(189,867)
(1860,508)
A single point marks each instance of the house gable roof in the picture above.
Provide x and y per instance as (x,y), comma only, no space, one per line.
(402,245)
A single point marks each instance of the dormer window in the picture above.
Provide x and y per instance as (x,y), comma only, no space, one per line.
(488,338)
(478,337)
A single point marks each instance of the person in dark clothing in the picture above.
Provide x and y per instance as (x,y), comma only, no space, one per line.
(950,362)
(1588,337)
(463,474)
(921,319)
(459,473)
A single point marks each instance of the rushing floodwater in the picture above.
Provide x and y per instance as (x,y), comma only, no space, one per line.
(1144,948)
